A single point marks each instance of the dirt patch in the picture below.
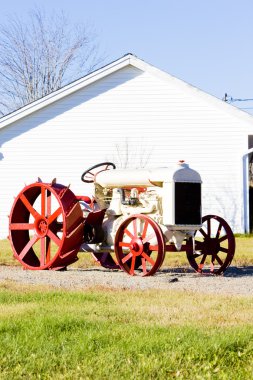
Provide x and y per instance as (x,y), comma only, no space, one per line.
(236,281)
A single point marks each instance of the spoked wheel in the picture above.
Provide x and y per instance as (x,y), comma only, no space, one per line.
(214,246)
(46,226)
(139,246)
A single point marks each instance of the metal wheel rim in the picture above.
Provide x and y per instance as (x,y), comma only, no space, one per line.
(33,230)
(217,248)
(137,244)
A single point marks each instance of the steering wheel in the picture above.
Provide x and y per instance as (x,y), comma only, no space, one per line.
(89,176)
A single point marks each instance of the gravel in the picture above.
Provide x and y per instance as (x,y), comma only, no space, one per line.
(236,281)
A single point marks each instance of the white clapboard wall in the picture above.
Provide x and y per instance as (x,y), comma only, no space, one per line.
(136,116)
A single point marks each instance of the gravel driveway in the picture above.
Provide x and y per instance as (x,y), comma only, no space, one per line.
(236,281)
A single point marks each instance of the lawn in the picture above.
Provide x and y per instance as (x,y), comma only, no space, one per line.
(105,334)
(101,333)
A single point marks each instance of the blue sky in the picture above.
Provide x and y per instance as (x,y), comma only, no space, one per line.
(207,43)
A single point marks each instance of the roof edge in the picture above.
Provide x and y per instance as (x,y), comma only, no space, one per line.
(142,65)
(65,90)
(127,59)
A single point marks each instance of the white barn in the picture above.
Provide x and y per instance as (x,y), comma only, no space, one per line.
(133,114)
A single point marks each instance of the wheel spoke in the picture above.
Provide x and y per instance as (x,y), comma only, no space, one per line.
(203,232)
(209,227)
(49,198)
(145,229)
(135,227)
(28,246)
(128,233)
(43,201)
(21,226)
(54,215)
(153,247)
(219,260)
(144,267)
(132,265)
(127,257)
(148,258)
(48,249)
(124,244)
(223,238)
(42,251)
(218,231)
(55,238)
(28,206)
(226,250)
(203,259)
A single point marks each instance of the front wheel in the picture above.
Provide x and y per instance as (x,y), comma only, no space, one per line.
(139,246)
(214,246)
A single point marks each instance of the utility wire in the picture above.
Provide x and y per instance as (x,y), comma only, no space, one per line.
(228,98)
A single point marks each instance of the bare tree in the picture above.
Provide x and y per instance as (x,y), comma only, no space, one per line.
(132,155)
(40,56)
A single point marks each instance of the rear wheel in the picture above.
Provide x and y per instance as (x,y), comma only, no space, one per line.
(46,226)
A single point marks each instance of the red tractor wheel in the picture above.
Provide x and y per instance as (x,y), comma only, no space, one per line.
(214,246)
(139,246)
(46,226)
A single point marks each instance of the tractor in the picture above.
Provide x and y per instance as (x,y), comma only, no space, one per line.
(133,218)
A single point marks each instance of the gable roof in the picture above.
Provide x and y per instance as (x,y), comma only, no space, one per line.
(126,60)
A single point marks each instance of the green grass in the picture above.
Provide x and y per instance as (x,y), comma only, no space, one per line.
(243,255)
(108,334)
(105,334)
(6,255)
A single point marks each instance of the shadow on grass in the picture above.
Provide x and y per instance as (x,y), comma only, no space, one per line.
(239,271)
(230,272)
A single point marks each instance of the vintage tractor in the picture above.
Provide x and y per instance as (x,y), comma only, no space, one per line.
(132,220)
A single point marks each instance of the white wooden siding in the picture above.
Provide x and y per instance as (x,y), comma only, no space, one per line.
(135,111)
